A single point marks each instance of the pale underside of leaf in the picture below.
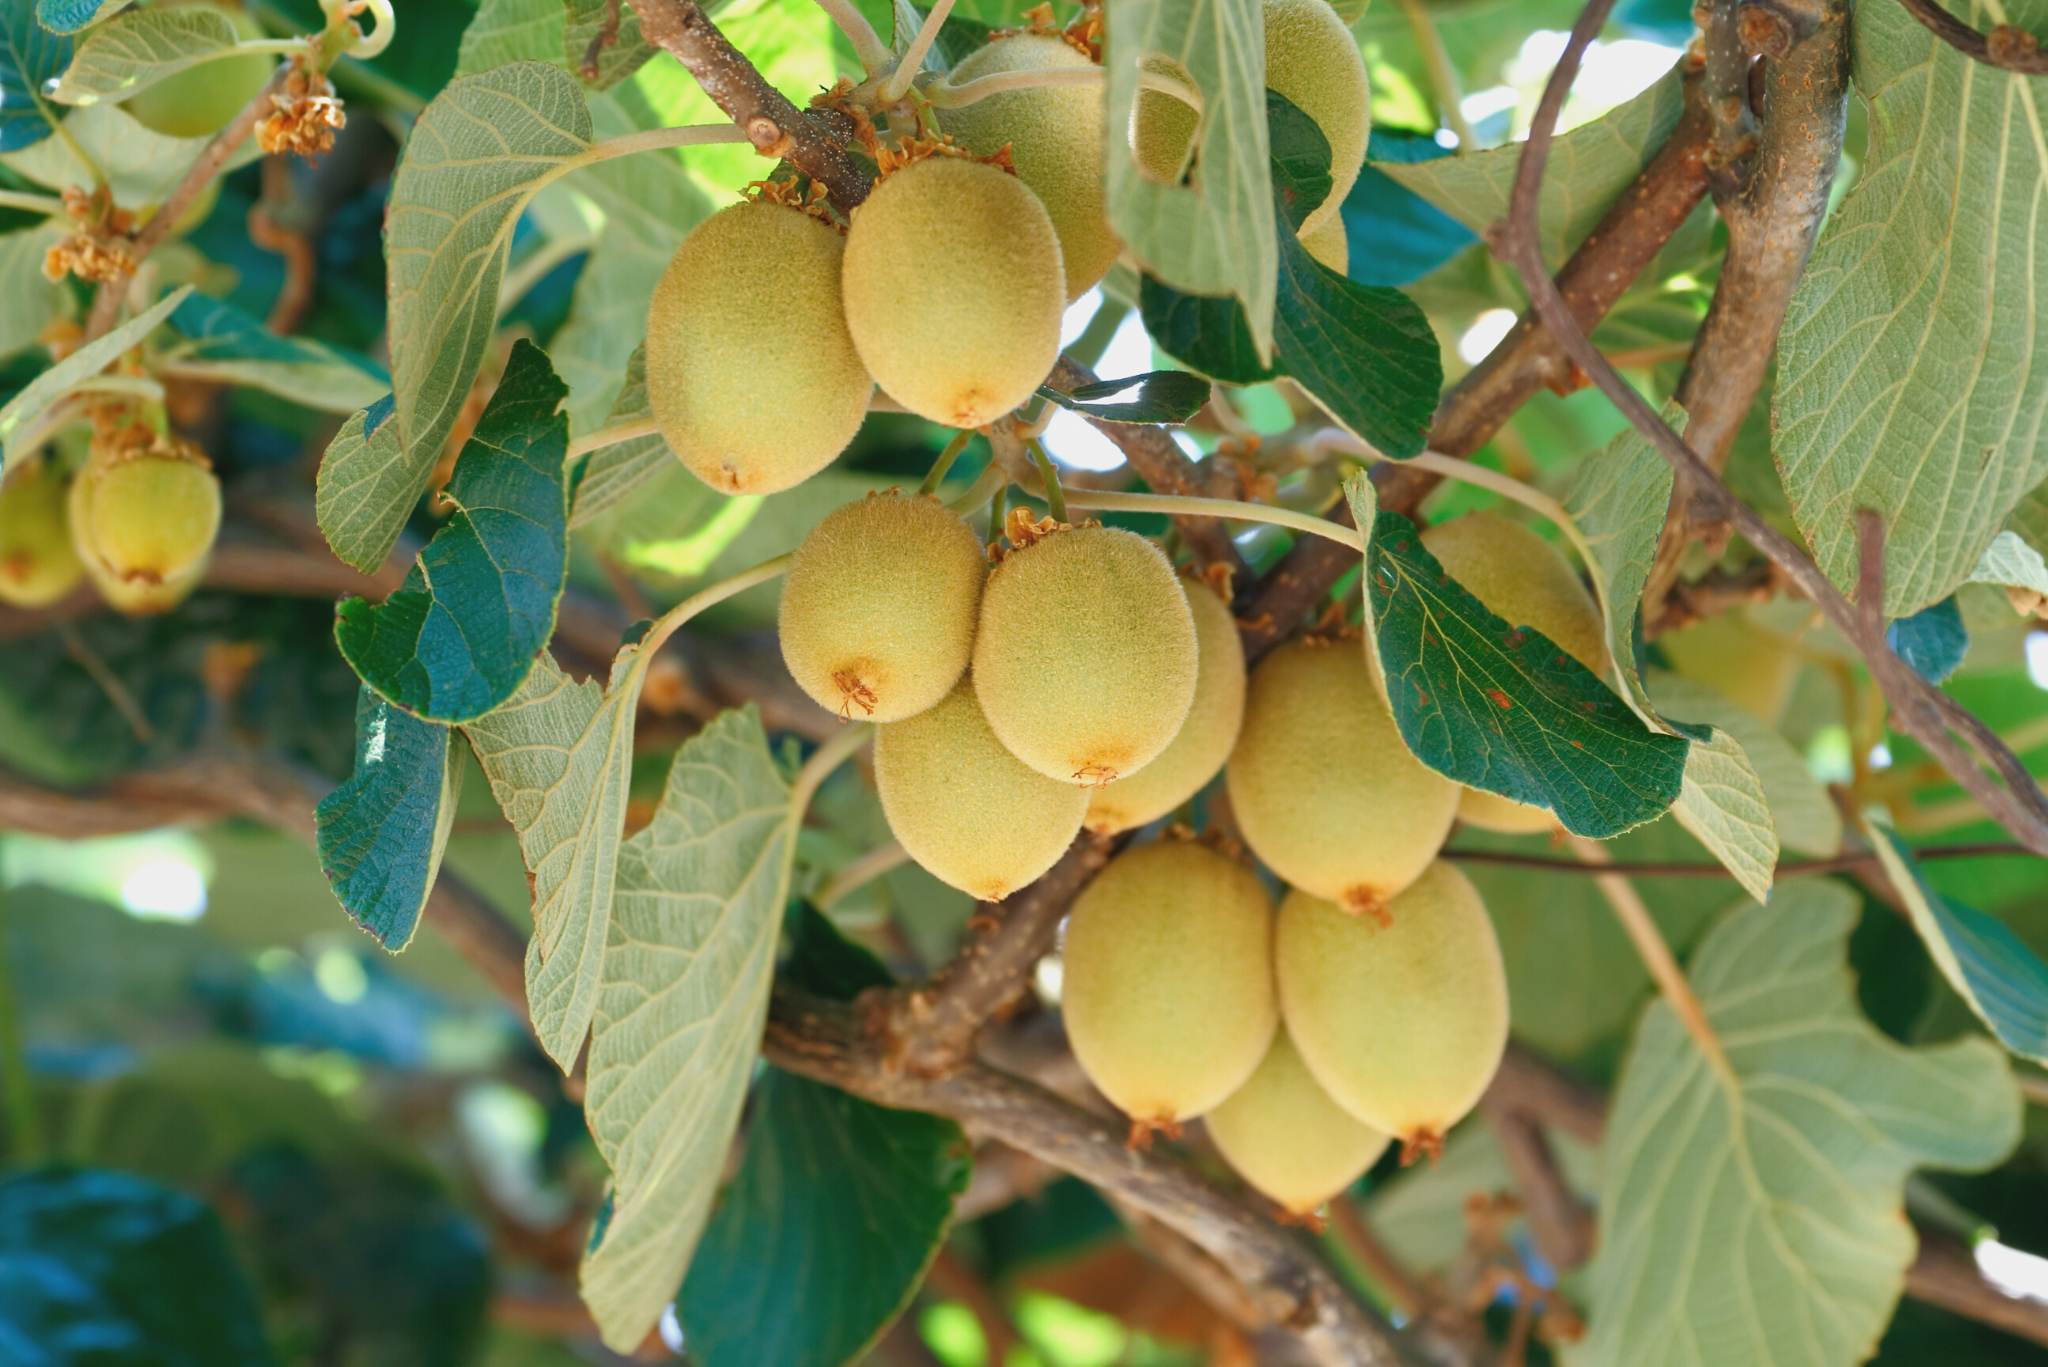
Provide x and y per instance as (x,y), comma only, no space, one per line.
(1763,1223)
(613,472)
(1804,817)
(686,974)
(89,360)
(141,166)
(506,31)
(140,47)
(32,298)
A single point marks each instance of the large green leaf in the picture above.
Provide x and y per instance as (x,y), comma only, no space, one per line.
(477,155)
(81,365)
(686,971)
(226,344)
(1498,706)
(507,31)
(1589,167)
(559,757)
(1758,1218)
(33,299)
(464,630)
(838,1208)
(30,56)
(103,1267)
(1217,238)
(1913,373)
(1991,968)
(382,832)
(136,49)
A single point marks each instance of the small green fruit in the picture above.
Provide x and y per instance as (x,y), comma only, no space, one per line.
(751,371)
(1285,1136)
(1203,742)
(963,807)
(1085,657)
(1526,581)
(1403,1017)
(200,100)
(37,563)
(1322,785)
(1055,138)
(1167,981)
(878,612)
(143,523)
(954,289)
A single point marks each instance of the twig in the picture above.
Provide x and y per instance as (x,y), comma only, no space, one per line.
(1403,1291)
(2005,47)
(606,35)
(772,124)
(897,85)
(868,47)
(1798,868)
(1561,1223)
(1922,712)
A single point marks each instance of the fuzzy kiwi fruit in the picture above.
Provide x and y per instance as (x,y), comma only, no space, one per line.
(1329,245)
(1084,659)
(38,565)
(1313,60)
(954,289)
(1285,1136)
(1055,138)
(1203,742)
(1322,785)
(143,521)
(752,375)
(1167,981)
(877,615)
(1401,1018)
(1526,581)
(964,807)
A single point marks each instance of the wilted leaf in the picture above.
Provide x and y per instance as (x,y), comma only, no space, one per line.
(1759,1218)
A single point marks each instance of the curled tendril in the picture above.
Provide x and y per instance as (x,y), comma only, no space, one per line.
(342,13)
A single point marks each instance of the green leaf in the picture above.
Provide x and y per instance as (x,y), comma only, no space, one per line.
(1589,167)
(363,478)
(33,299)
(686,973)
(477,155)
(81,365)
(626,54)
(1801,812)
(1759,1218)
(68,16)
(1161,396)
(1932,640)
(106,1267)
(141,166)
(1498,706)
(229,346)
(559,758)
(507,31)
(1913,370)
(30,56)
(611,473)
(381,834)
(464,630)
(2009,562)
(136,49)
(1217,238)
(1992,969)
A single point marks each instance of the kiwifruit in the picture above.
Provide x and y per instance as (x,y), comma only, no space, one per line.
(143,521)
(1203,742)
(1166,981)
(38,565)
(1401,1018)
(200,100)
(1329,245)
(1526,581)
(1285,1136)
(1323,787)
(752,374)
(878,611)
(963,807)
(954,289)
(1055,138)
(1313,60)
(1084,660)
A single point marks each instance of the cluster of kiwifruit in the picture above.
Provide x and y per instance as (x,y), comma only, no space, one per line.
(137,521)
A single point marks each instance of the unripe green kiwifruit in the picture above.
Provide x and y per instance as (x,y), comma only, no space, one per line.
(1084,659)
(877,615)
(964,807)
(1526,581)
(1285,1136)
(1313,60)
(1329,245)
(752,374)
(1055,138)
(1166,981)
(200,100)
(1322,785)
(954,289)
(38,565)
(143,522)
(1401,1018)
(1203,742)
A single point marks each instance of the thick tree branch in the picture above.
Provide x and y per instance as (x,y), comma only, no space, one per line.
(2005,47)
(776,127)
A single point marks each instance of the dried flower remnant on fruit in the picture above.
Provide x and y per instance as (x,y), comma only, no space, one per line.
(305,116)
